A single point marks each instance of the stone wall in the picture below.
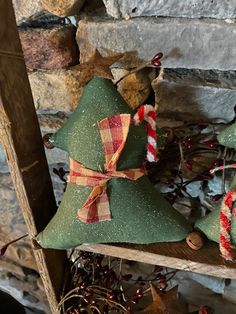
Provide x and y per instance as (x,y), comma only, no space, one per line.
(198,42)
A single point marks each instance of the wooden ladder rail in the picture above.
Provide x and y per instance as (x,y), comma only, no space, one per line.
(21,139)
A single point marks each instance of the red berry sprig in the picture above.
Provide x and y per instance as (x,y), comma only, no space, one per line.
(156,59)
(187,142)
(138,295)
(188,165)
(154,62)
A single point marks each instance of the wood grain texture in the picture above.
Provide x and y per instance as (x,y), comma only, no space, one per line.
(21,139)
(174,255)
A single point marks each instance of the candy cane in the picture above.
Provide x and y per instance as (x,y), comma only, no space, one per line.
(233,166)
(225,224)
(148,113)
(226,212)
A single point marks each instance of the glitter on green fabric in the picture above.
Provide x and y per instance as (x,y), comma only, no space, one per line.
(139,213)
(228,136)
(80,136)
(210,224)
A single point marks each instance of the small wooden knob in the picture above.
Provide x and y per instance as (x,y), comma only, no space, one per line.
(35,244)
(195,240)
(47,141)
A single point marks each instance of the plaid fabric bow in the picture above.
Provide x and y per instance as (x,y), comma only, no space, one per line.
(114,131)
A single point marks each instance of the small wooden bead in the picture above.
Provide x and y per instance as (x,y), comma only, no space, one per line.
(47,142)
(195,240)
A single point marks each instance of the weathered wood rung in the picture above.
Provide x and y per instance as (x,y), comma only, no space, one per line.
(174,255)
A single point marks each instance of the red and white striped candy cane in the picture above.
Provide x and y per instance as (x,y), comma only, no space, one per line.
(226,212)
(225,224)
(233,166)
(148,113)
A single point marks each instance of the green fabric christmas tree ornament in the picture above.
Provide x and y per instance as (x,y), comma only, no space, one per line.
(228,136)
(108,196)
(220,225)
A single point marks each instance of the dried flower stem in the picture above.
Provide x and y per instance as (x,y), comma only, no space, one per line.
(5,247)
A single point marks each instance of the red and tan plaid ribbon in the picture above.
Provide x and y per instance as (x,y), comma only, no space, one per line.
(114,131)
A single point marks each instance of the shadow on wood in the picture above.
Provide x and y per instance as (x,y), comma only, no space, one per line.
(174,255)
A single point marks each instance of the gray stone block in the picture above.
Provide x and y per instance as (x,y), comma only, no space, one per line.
(60,90)
(51,122)
(197,95)
(3,164)
(12,225)
(25,290)
(56,155)
(63,7)
(49,48)
(25,9)
(186,43)
(55,90)
(224,9)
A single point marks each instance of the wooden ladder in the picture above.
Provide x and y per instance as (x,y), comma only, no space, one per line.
(21,139)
